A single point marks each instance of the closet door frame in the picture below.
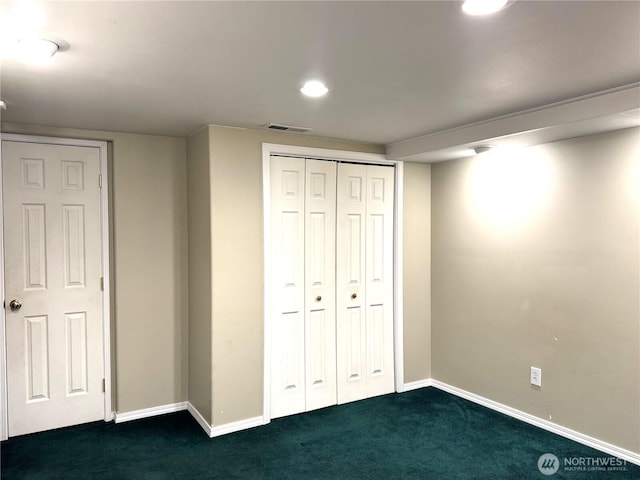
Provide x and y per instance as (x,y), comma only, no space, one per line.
(269,149)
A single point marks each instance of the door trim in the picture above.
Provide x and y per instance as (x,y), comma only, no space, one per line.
(106,298)
(269,149)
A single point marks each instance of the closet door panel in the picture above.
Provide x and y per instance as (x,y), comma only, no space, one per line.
(379,280)
(350,282)
(365,281)
(288,313)
(320,284)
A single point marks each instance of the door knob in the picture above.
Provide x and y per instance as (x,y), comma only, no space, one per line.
(15,305)
(354,296)
(318,298)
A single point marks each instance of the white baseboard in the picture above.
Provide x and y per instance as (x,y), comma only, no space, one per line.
(539,422)
(226,428)
(237,426)
(216,431)
(200,419)
(149,412)
(418,384)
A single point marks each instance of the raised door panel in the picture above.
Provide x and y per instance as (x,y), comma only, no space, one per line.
(36,384)
(320,360)
(35,246)
(76,358)
(355,345)
(32,172)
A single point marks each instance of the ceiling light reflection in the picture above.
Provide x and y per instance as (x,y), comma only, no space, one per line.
(35,50)
(314,88)
(482,7)
(508,188)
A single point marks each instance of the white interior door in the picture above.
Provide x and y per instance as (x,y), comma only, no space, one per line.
(52,238)
(364,281)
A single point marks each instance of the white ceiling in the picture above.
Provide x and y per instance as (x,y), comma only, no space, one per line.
(397,71)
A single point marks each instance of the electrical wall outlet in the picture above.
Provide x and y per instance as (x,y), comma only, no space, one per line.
(536,376)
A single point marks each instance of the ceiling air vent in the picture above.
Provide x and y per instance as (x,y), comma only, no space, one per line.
(286,128)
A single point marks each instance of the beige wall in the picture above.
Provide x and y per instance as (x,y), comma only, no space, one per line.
(149,256)
(535,262)
(417,272)
(238,264)
(200,292)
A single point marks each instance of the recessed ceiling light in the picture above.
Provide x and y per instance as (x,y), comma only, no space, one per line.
(314,88)
(482,7)
(32,48)
(35,49)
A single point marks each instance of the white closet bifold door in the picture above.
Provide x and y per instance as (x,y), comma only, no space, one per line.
(332,282)
(364,279)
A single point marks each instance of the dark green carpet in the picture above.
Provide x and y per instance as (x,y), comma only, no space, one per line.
(424,434)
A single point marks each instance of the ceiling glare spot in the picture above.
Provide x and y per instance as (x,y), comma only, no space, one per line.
(482,7)
(314,88)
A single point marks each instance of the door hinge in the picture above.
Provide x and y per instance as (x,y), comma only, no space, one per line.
(102,284)
(104,386)
(100,180)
